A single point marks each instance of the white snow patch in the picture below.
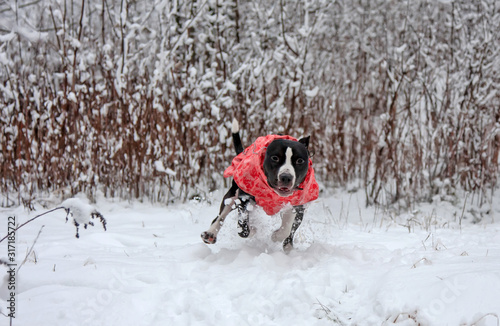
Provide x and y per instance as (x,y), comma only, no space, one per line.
(312,92)
(7,37)
(351,266)
(161,168)
(230,86)
(401,48)
(72,97)
(215,111)
(80,210)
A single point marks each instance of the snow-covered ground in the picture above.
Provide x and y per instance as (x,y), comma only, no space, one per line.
(352,266)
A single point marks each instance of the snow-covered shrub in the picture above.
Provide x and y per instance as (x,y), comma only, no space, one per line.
(400,97)
(79,211)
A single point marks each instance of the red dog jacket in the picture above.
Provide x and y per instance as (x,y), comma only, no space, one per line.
(248,173)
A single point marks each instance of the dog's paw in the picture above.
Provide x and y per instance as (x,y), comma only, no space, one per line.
(208,237)
(279,235)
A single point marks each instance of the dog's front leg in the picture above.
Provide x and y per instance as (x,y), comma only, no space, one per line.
(210,236)
(243,215)
(299,215)
(290,222)
(287,217)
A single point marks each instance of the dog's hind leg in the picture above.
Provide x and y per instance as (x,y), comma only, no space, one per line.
(291,220)
(210,236)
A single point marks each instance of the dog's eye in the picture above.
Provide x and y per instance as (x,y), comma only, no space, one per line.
(300,161)
(275,158)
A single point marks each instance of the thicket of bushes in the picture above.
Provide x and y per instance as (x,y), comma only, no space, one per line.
(136,98)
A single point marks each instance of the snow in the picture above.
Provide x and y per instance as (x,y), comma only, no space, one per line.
(80,210)
(161,168)
(230,86)
(72,97)
(313,92)
(351,266)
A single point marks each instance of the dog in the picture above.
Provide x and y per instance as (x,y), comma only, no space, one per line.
(275,173)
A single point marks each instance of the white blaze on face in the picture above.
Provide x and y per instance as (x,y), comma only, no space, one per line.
(288,167)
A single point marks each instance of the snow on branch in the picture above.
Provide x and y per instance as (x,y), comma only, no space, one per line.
(81,213)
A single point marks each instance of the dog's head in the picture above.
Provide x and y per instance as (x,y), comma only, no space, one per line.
(286,164)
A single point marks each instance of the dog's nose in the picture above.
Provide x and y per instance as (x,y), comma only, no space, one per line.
(285,178)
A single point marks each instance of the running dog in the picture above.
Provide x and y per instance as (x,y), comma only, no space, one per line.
(276,173)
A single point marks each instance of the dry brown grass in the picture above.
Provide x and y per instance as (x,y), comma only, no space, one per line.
(406,106)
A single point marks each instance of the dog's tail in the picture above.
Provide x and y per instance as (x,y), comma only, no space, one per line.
(235,129)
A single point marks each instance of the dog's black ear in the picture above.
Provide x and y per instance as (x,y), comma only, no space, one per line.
(305,141)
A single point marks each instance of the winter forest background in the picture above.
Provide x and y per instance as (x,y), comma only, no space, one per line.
(135,98)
